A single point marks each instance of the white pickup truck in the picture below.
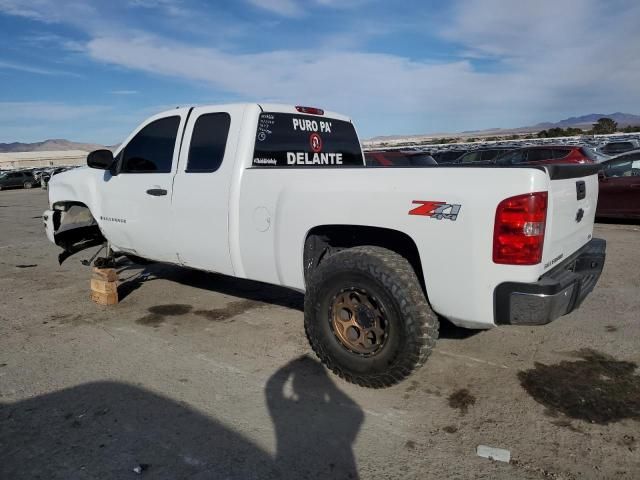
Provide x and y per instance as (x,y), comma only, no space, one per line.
(282,195)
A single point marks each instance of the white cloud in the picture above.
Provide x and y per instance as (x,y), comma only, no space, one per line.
(370,85)
(123,92)
(46,111)
(288,8)
(516,62)
(37,70)
(173,8)
(294,8)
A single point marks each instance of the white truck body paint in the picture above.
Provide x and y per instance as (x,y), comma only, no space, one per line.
(252,222)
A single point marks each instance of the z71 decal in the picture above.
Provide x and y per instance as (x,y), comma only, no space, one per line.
(437,210)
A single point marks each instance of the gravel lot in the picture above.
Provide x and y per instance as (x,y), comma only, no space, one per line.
(197,375)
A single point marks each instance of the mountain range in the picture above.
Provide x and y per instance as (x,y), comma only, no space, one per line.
(584,121)
(57,144)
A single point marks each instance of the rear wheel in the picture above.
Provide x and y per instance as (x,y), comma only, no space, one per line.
(367,318)
(28,185)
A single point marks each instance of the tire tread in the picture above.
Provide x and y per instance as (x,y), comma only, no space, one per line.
(396,275)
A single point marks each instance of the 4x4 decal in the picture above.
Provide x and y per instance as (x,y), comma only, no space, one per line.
(437,210)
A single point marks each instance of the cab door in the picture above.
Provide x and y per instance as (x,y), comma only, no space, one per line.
(202,187)
(135,211)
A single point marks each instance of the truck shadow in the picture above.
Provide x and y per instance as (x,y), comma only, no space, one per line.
(618,221)
(235,287)
(104,430)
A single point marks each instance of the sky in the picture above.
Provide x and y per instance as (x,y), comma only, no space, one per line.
(91,70)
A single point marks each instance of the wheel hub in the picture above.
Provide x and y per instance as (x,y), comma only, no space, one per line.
(358,321)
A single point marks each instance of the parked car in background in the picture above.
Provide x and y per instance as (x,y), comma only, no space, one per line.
(45,177)
(398,158)
(482,155)
(619,195)
(448,156)
(617,147)
(16,179)
(547,154)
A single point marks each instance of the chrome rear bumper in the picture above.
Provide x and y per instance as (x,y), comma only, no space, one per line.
(556,293)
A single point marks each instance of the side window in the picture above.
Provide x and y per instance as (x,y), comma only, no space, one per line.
(471,157)
(208,142)
(512,158)
(151,150)
(621,168)
(539,154)
(490,154)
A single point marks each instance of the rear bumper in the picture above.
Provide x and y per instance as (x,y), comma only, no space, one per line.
(557,293)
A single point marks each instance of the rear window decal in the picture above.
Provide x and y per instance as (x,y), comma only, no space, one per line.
(298,141)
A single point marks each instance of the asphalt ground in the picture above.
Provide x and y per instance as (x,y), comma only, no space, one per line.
(196,375)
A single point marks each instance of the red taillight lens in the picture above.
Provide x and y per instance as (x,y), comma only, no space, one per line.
(310,110)
(518,234)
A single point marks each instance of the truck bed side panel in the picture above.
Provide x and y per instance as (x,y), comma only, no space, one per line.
(278,207)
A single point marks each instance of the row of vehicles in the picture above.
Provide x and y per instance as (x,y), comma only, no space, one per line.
(29,178)
(619,177)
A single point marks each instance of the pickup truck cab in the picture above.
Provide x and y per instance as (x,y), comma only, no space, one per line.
(281,194)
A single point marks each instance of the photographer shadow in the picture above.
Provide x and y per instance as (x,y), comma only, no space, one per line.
(315,423)
(105,430)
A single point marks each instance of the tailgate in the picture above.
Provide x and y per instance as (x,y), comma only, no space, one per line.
(573,196)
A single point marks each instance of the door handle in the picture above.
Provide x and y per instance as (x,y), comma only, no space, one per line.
(157,192)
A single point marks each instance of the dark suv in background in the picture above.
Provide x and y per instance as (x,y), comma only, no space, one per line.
(482,155)
(621,146)
(547,154)
(16,179)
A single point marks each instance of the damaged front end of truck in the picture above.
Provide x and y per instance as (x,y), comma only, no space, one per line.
(71,226)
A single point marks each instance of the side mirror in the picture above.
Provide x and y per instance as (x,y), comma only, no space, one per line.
(601,175)
(100,159)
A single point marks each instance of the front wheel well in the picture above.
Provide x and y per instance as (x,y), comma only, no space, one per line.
(323,241)
(74,226)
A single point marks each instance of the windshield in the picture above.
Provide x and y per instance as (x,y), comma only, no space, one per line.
(294,140)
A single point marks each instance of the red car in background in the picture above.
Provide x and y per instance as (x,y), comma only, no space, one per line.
(398,158)
(619,195)
(547,154)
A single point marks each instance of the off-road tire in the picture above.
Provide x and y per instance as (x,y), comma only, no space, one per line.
(28,185)
(413,326)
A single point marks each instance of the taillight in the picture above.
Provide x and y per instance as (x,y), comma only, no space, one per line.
(310,110)
(518,233)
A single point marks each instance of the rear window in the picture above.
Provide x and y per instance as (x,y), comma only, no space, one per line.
(617,147)
(539,155)
(293,140)
(559,153)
